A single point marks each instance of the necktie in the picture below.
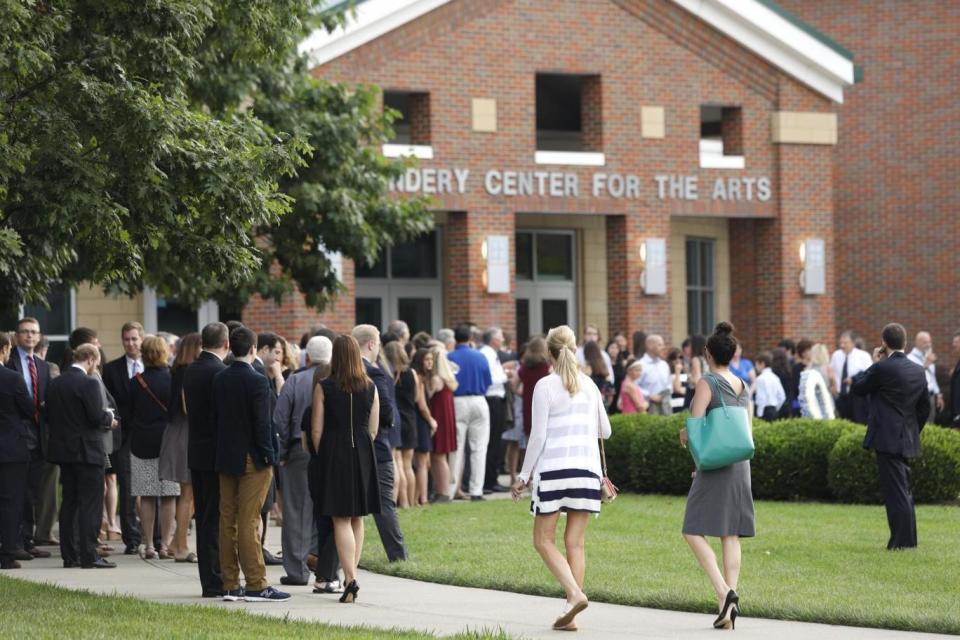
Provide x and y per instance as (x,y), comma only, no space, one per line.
(843,376)
(35,386)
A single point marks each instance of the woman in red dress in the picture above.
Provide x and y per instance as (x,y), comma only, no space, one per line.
(533,367)
(439,384)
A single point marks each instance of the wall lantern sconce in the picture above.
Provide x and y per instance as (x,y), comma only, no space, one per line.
(496,254)
(653,259)
(813,259)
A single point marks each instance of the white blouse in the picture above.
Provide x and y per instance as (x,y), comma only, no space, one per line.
(564,429)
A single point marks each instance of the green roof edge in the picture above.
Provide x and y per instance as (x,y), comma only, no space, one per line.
(807,28)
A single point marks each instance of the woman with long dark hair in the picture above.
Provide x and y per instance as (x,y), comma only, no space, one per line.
(406,395)
(720,502)
(423,369)
(346,417)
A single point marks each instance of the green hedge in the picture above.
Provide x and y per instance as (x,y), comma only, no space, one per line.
(795,459)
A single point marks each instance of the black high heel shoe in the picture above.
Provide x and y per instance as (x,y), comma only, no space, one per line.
(350,592)
(733,616)
(732,600)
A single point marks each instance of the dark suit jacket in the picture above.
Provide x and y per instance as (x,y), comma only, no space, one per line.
(201,417)
(43,375)
(955,396)
(146,414)
(16,414)
(386,391)
(77,419)
(116,377)
(899,405)
(242,404)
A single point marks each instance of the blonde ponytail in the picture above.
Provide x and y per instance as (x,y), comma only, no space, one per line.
(562,345)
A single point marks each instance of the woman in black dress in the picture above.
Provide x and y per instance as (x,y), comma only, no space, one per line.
(346,416)
(405,380)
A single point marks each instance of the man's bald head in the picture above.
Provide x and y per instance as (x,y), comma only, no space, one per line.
(923,341)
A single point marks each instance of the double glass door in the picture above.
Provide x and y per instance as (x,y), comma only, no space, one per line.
(546,281)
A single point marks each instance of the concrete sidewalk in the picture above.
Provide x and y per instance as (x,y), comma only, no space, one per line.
(388,602)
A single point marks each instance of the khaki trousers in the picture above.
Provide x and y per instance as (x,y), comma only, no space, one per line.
(241,498)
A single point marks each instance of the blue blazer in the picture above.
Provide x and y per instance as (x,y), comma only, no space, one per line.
(241,399)
(386,391)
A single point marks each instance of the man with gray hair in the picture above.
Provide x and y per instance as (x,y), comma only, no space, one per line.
(656,381)
(446,337)
(923,355)
(400,329)
(497,402)
(299,535)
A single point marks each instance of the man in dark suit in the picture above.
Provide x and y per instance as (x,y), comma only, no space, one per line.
(40,502)
(78,418)
(117,376)
(202,452)
(246,453)
(16,412)
(955,383)
(368,337)
(899,406)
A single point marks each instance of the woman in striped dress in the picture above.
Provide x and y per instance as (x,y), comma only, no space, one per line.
(562,467)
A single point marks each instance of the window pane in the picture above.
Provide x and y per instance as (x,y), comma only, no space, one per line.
(56,350)
(378,270)
(554,314)
(693,313)
(175,318)
(554,256)
(416,313)
(417,259)
(56,320)
(370,311)
(524,256)
(706,263)
(706,326)
(523,320)
(693,269)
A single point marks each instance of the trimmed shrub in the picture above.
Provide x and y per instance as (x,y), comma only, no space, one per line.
(853,470)
(936,473)
(792,458)
(795,459)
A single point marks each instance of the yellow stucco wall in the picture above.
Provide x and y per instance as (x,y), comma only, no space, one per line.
(106,315)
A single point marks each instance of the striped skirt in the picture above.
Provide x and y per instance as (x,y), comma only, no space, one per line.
(565,490)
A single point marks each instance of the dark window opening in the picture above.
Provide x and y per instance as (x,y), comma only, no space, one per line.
(417,259)
(412,116)
(721,133)
(701,285)
(569,112)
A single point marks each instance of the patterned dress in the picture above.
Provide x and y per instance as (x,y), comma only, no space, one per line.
(562,464)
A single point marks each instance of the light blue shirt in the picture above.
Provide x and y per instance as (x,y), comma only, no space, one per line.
(25,368)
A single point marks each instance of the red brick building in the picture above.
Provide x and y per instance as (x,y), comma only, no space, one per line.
(633,164)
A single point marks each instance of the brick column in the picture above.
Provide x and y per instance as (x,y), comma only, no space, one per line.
(591,113)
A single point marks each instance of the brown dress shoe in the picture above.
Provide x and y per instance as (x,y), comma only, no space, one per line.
(11,564)
(38,553)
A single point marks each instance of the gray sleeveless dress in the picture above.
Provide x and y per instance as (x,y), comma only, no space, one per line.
(720,502)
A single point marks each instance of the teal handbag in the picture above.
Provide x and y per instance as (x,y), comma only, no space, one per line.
(722,437)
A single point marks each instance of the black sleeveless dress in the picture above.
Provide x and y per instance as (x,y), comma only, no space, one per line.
(407,406)
(345,478)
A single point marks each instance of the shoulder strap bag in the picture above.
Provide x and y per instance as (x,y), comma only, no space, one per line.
(722,437)
(608,490)
(143,385)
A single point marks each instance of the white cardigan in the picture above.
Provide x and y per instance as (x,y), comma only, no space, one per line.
(815,399)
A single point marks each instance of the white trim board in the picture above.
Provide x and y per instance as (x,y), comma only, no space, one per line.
(748,22)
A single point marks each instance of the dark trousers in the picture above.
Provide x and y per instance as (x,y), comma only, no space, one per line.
(127,504)
(299,534)
(387,524)
(498,416)
(13,488)
(28,512)
(80,512)
(206,506)
(328,562)
(853,408)
(895,487)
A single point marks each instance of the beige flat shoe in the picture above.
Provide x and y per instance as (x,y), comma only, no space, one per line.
(569,613)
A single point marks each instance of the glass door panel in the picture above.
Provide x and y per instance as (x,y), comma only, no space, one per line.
(417,313)
(554,313)
(370,311)
(523,320)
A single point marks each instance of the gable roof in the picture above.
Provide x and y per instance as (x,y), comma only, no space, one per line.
(761,26)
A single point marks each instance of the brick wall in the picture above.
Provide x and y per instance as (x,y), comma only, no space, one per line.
(896,165)
(645,52)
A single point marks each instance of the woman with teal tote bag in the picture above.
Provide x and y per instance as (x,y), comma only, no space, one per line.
(720,502)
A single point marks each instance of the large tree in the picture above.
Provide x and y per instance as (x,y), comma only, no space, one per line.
(182,144)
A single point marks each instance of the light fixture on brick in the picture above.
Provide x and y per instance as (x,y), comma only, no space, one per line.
(813,275)
(653,259)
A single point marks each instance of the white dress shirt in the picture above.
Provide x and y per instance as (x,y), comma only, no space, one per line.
(496,388)
(858,360)
(134,366)
(656,377)
(920,358)
(606,359)
(770,391)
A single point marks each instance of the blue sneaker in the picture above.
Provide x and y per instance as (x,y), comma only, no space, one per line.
(233,595)
(266,595)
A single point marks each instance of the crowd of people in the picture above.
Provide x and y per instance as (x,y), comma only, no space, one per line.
(232,429)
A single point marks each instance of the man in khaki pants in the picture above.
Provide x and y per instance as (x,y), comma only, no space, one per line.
(246,453)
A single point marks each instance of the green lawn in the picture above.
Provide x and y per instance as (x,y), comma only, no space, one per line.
(812,562)
(30,610)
